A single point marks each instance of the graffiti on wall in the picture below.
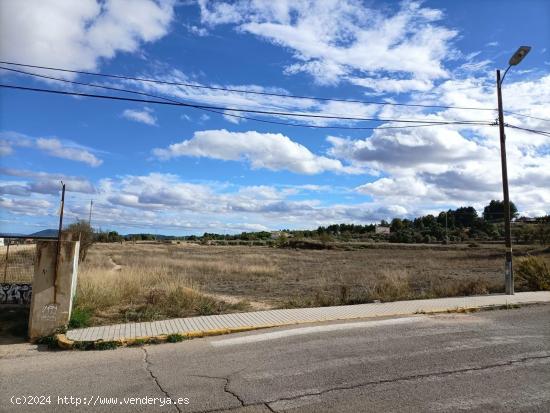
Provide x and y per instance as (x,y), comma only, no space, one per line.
(49,312)
(15,293)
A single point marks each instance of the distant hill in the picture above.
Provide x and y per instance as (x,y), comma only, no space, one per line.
(45,233)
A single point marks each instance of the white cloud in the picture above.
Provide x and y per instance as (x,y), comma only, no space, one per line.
(272,151)
(50,146)
(143,116)
(333,40)
(77,34)
(29,207)
(198,31)
(406,148)
(43,182)
(390,85)
(453,165)
(54,147)
(5,149)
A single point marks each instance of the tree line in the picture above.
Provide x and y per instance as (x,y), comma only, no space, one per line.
(454,225)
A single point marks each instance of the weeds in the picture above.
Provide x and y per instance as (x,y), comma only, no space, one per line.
(175,338)
(532,274)
(80,318)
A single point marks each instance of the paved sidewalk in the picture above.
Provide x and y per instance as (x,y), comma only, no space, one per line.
(226,323)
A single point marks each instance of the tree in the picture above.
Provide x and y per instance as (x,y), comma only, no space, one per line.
(495,211)
(81,230)
(465,216)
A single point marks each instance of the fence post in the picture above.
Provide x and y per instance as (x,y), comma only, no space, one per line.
(6,263)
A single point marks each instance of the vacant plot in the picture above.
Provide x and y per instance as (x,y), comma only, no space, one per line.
(17,263)
(147,281)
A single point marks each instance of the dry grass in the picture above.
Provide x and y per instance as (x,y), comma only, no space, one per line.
(19,267)
(142,287)
(146,281)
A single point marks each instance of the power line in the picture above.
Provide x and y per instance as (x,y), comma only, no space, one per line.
(526,116)
(263,112)
(538,132)
(208,110)
(191,85)
(213,110)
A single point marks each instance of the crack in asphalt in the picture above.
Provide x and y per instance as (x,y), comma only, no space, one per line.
(225,387)
(155,378)
(370,383)
(412,377)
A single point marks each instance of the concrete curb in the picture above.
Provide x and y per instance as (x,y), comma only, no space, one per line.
(65,343)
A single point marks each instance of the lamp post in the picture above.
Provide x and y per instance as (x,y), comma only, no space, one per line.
(508,270)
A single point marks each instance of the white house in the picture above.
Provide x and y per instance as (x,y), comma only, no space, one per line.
(382,230)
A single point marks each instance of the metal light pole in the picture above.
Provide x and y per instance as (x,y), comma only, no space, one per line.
(508,269)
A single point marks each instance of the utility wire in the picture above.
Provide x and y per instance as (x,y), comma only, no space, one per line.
(538,132)
(211,110)
(526,116)
(263,112)
(191,85)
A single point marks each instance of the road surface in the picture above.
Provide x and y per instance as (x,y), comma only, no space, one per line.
(486,361)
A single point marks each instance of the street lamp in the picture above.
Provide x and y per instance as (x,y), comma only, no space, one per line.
(508,271)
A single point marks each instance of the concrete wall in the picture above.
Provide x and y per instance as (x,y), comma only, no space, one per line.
(51,304)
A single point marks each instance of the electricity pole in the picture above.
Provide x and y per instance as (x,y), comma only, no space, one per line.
(446,236)
(508,269)
(90,218)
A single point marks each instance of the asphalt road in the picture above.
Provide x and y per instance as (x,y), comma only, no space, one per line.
(485,361)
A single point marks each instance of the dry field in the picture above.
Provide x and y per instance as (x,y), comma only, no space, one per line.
(147,281)
(19,267)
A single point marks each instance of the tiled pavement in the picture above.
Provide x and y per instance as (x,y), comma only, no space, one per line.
(272,318)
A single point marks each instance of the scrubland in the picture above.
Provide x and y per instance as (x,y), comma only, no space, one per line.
(148,281)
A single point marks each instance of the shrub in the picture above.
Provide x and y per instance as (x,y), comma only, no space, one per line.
(81,230)
(532,274)
(80,317)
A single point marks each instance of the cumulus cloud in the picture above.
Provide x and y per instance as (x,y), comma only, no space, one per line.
(77,34)
(54,147)
(143,116)
(405,148)
(165,201)
(272,151)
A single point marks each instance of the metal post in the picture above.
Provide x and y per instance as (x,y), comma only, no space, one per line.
(7,257)
(90,218)
(59,241)
(508,269)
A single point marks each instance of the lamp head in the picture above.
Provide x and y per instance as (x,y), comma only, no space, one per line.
(519,55)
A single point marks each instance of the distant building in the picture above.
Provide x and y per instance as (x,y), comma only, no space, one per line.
(527,220)
(382,230)
(280,234)
(1,242)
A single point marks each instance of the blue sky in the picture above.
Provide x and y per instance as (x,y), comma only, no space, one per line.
(180,170)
